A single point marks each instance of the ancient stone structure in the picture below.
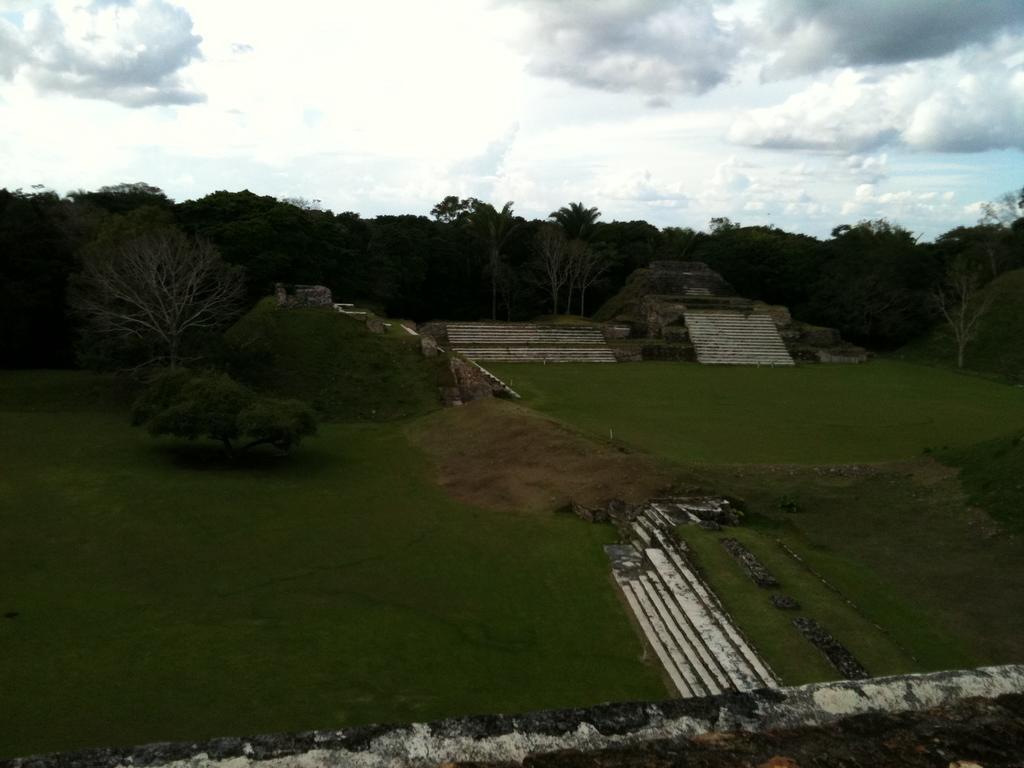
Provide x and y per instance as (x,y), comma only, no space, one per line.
(698,644)
(688,311)
(464,381)
(784,602)
(748,560)
(303,295)
(959,718)
(834,651)
(528,342)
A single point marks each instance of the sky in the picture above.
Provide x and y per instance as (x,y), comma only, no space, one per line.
(803,114)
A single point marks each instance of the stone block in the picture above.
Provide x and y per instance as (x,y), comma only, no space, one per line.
(428,346)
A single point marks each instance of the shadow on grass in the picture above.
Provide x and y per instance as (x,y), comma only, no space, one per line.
(209,457)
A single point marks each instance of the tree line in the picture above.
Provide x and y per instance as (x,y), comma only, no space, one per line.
(469,260)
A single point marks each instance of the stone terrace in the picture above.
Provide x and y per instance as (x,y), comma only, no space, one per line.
(696,641)
(529,342)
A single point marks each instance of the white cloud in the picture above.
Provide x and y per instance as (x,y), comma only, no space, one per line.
(130,53)
(807,36)
(348,106)
(963,103)
(868,203)
(870,168)
(643,188)
(651,46)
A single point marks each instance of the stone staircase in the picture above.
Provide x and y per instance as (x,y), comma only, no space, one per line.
(696,641)
(529,342)
(724,337)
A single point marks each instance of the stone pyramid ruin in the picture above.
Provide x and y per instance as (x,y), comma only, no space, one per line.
(687,311)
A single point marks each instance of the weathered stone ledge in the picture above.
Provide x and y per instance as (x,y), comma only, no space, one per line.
(626,728)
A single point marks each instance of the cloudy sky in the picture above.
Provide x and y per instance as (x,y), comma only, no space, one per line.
(800,113)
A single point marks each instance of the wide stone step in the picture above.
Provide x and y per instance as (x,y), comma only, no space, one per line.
(538,355)
(697,671)
(735,666)
(721,616)
(483,332)
(653,631)
(736,338)
(709,661)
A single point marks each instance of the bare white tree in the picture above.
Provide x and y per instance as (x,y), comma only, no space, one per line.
(552,252)
(157,289)
(591,263)
(962,303)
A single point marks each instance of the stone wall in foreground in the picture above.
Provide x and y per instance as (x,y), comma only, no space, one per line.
(956,718)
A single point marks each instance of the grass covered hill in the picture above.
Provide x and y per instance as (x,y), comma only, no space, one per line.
(999,346)
(333,362)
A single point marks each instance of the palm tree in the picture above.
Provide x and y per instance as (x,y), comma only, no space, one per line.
(578,222)
(493,227)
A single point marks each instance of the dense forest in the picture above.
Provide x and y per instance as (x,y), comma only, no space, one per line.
(872,280)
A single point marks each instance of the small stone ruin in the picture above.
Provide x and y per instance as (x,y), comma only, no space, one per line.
(303,296)
(784,602)
(834,651)
(754,568)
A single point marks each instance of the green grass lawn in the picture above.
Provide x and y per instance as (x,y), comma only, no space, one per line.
(992,473)
(161,594)
(895,531)
(151,591)
(792,657)
(881,411)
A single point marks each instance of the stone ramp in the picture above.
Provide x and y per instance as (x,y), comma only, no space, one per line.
(693,637)
(724,337)
(530,342)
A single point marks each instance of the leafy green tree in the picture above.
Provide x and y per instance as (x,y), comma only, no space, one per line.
(719,224)
(214,406)
(453,209)
(875,284)
(276,241)
(763,263)
(37,248)
(493,228)
(677,242)
(124,198)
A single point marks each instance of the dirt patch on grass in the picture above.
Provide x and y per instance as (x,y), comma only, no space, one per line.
(503,456)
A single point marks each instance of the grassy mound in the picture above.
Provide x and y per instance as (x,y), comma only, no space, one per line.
(992,474)
(332,362)
(997,349)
